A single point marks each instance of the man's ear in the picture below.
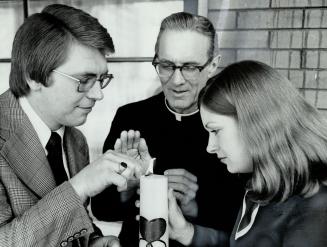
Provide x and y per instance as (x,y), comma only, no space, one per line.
(213,66)
(34,86)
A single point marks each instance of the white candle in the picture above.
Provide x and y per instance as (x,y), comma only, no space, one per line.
(153,211)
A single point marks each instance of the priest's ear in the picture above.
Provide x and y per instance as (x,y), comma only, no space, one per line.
(213,66)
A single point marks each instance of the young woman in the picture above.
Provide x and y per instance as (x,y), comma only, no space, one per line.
(259,123)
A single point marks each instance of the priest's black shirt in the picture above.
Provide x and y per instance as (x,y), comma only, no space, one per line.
(176,143)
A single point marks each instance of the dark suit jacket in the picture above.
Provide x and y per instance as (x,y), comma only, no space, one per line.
(175,144)
(297,222)
(33,211)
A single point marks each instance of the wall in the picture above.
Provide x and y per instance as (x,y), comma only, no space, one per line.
(290,35)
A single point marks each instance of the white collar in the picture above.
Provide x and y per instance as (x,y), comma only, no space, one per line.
(42,130)
(179,116)
(254,213)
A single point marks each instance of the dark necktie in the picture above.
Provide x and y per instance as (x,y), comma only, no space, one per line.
(55,158)
(57,166)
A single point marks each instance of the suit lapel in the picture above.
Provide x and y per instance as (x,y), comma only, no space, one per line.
(25,154)
(76,150)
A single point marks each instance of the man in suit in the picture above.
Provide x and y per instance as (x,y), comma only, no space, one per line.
(185,57)
(57,74)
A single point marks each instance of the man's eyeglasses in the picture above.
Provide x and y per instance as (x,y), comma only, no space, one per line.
(189,71)
(86,84)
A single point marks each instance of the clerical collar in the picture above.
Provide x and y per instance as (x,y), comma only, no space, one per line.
(179,116)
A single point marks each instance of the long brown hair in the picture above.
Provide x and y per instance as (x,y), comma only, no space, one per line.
(285,135)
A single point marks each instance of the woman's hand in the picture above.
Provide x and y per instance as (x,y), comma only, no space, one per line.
(179,229)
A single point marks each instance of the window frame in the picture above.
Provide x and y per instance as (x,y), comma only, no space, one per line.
(191,6)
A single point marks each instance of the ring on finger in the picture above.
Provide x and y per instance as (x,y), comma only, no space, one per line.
(122,167)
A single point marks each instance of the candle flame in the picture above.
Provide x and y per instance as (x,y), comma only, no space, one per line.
(149,171)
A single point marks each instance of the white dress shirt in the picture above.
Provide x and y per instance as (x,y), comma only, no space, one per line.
(42,130)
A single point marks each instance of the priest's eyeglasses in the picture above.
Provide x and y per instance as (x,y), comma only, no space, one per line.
(85,84)
(167,69)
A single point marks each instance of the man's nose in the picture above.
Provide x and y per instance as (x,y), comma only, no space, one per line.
(95,92)
(177,77)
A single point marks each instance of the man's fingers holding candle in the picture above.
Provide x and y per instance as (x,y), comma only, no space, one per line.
(126,173)
(101,173)
(133,169)
(110,168)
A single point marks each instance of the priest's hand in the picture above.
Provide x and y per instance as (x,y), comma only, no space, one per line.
(184,185)
(133,145)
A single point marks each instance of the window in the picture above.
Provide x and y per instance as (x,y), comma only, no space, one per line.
(133,25)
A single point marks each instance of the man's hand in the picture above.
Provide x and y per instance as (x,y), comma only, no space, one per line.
(108,241)
(184,185)
(179,229)
(110,168)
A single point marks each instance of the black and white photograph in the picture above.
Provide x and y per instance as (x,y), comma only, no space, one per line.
(163,123)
